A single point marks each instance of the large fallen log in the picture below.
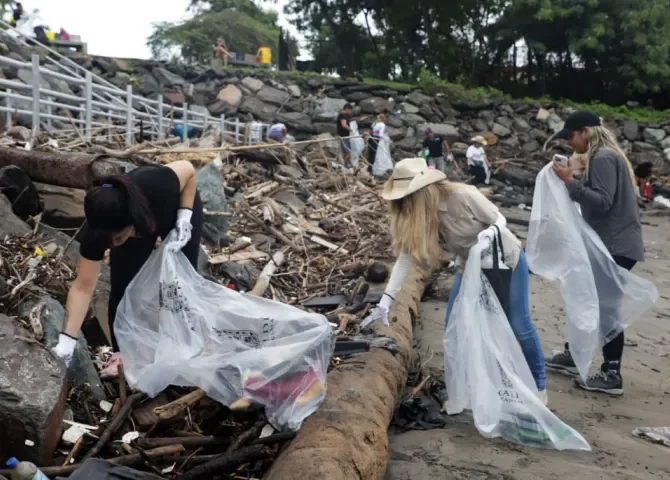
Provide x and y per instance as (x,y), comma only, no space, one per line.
(346,439)
(72,169)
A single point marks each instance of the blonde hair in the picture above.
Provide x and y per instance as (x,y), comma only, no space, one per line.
(415,222)
(601,137)
(381,118)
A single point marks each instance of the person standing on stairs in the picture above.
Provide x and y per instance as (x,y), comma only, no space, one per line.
(127,214)
(430,214)
(607,195)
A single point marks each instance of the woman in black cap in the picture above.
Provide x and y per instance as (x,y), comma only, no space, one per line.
(127,214)
(607,196)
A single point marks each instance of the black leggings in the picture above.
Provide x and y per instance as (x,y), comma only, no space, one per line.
(373,143)
(613,351)
(127,260)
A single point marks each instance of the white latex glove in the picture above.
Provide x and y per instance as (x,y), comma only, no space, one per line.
(380,311)
(65,348)
(183,228)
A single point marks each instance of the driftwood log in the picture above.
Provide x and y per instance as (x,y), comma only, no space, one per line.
(348,434)
(72,169)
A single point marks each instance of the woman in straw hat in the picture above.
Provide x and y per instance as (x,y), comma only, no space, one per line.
(429,213)
(477,162)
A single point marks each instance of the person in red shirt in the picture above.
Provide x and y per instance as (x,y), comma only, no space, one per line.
(643,178)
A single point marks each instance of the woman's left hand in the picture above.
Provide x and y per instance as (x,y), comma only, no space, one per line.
(183,227)
(563,172)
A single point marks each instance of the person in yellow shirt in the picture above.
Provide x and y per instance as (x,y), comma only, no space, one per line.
(264,55)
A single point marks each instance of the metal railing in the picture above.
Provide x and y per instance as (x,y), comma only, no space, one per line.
(101,103)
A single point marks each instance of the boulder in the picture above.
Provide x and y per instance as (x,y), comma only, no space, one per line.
(253,84)
(412,119)
(220,107)
(500,130)
(443,129)
(631,130)
(175,97)
(296,121)
(419,99)
(396,134)
(314,83)
(642,147)
(520,124)
(16,185)
(204,93)
(149,85)
(212,192)
(375,105)
(258,109)
(295,91)
(81,370)
(505,121)
(33,390)
(325,128)
(63,207)
(26,76)
(273,96)
(654,135)
(167,78)
(542,115)
(356,97)
(665,144)
(200,110)
(408,108)
(121,80)
(327,109)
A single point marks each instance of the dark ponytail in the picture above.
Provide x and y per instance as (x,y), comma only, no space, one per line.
(116,204)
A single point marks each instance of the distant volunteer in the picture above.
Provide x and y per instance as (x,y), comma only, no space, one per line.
(430,214)
(376,135)
(344,131)
(477,162)
(437,148)
(277,132)
(127,214)
(607,195)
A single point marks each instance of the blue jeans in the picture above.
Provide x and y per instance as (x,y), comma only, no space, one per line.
(519,320)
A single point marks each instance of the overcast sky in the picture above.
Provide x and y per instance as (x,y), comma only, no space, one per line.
(119,28)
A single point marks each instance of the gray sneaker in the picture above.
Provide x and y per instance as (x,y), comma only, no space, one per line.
(604,381)
(562,361)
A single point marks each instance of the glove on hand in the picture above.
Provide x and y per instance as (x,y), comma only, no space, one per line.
(65,348)
(380,311)
(183,228)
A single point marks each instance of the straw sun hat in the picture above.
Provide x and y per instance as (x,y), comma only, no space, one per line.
(479,139)
(410,175)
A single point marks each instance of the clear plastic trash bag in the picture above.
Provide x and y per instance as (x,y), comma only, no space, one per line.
(486,371)
(383,161)
(176,328)
(357,144)
(601,298)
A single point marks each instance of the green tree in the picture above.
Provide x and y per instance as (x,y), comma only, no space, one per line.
(243,24)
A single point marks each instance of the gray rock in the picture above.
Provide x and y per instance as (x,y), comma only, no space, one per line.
(211,187)
(511,141)
(325,128)
(419,99)
(290,172)
(81,370)
(375,105)
(121,79)
(219,108)
(631,130)
(665,143)
(543,115)
(394,121)
(531,147)
(521,124)
(10,224)
(295,91)
(63,207)
(487,115)
(412,119)
(500,130)
(314,83)
(33,389)
(167,78)
(642,147)
(356,97)
(396,134)
(443,129)
(505,121)
(654,135)
(273,96)
(408,108)
(409,144)
(149,85)
(253,84)
(327,109)
(258,109)
(199,109)
(26,76)
(204,94)
(296,121)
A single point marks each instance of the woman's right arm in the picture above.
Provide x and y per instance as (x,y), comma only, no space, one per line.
(80,295)
(401,268)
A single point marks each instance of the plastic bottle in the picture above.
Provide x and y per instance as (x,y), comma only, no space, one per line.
(25,470)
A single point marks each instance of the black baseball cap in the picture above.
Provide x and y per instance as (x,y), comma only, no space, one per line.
(578,120)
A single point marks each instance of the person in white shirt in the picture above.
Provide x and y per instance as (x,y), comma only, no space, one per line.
(377,134)
(477,162)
